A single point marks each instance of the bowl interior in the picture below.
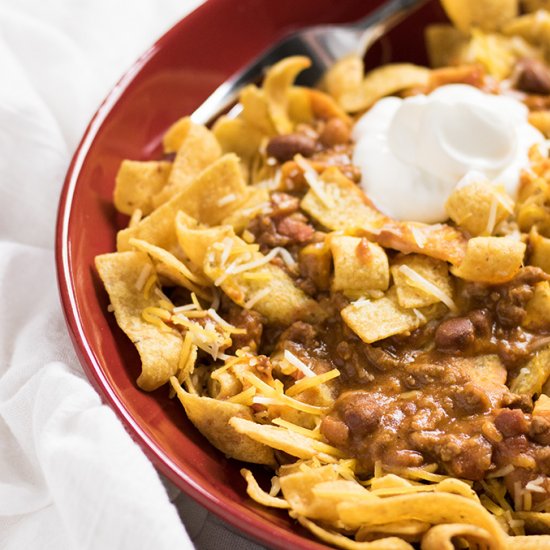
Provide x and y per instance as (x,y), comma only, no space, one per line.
(169,81)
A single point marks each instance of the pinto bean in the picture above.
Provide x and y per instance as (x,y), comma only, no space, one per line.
(335,431)
(473,460)
(284,148)
(454,335)
(335,132)
(471,399)
(481,319)
(533,77)
(360,411)
(511,422)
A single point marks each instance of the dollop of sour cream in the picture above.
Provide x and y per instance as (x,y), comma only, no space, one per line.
(412,152)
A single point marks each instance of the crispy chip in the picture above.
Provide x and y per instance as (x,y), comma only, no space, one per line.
(325,107)
(338,204)
(532,542)
(411,530)
(159,347)
(533,375)
(538,308)
(536,522)
(213,418)
(236,135)
(441,537)
(255,110)
(217,192)
(541,121)
(282,439)
(300,110)
(533,27)
(298,490)
(488,15)
(256,493)
(446,45)
(479,206)
(276,86)
(413,294)
(199,148)
(534,5)
(491,260)
(136,183)
(274,295)
(383,81)
(539,247)
(157,229)
(438,507)
(204,199)
(440,241)
(341,541)
(358,264)
(176,134)
(344,76)
(173,268)
(195,239)
(254,204)
(373,320)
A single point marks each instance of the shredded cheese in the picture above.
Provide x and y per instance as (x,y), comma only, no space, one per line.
(156,316)
(245,397)
(248,237)
(286,256)
(280,398)
(135,218)
(427,286)
(223,323)
(308,383)
(151,281)
(226,251)
(295,428)
(256,298)
(419,315)
(298,363)
(492,218)
(258,276)
(275,486)
(313,180)
(418,236)
(491,506)
(182,309)
(501,472)
(534,486)
(236,269)
(228,199)
(518,496)
(143,276)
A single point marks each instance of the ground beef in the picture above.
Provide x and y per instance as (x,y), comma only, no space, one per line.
(455,335)
(251,321)
(296,228)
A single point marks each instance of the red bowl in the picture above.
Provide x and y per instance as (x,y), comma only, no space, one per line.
(170,80)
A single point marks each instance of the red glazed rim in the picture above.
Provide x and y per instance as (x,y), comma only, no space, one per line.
(245,519)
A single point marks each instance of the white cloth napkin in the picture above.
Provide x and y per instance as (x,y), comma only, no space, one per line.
(70,476)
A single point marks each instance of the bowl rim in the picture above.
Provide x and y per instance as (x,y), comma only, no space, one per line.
(246,521)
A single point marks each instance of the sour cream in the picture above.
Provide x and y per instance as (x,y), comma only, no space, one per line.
(412,152)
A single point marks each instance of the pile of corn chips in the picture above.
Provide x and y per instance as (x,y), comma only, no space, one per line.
(188,250)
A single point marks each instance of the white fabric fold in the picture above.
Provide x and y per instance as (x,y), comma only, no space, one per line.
(70,476)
